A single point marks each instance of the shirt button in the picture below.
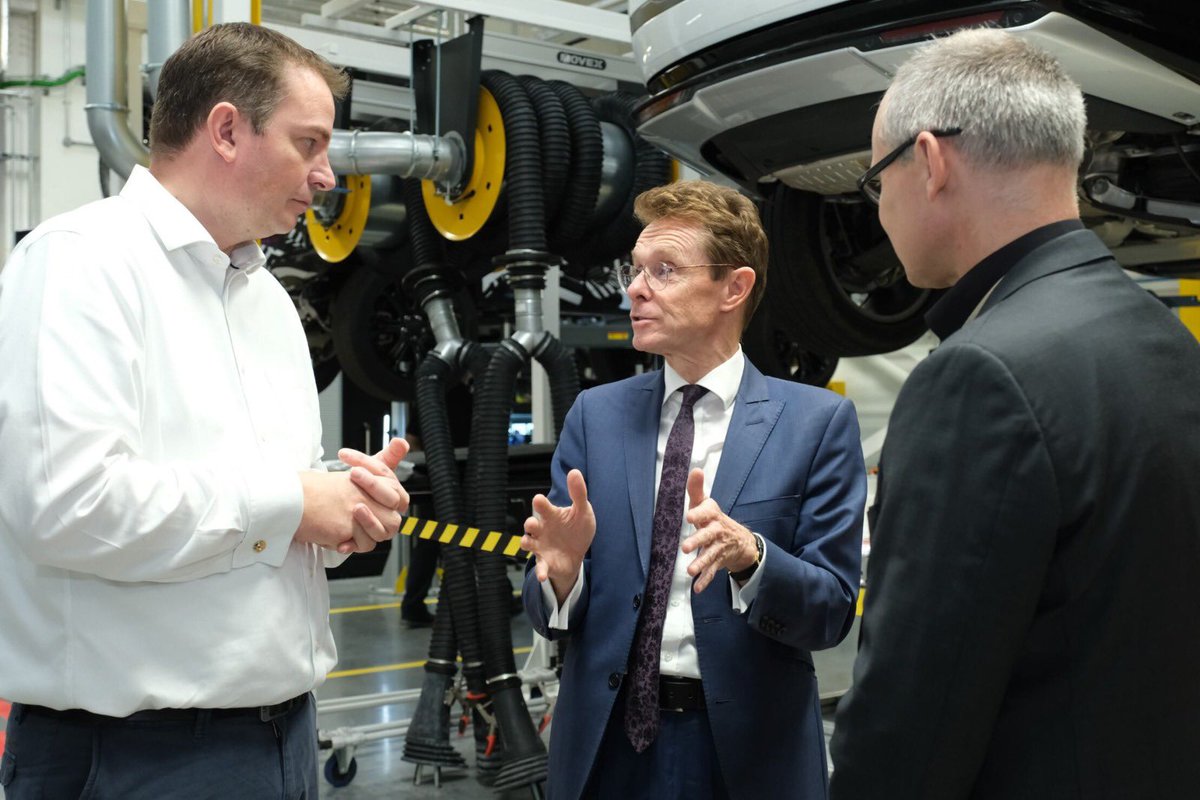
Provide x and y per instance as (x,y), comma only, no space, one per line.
(674,604)
(259,546)
(637,601)
(668,657)
(614,680)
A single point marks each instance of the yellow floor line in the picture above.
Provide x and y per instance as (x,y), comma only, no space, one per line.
(362,608)
(349,673)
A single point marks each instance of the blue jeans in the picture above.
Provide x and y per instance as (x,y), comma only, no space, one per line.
(193,756)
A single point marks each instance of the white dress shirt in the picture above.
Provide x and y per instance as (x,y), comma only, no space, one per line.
(156,405)
(712,413)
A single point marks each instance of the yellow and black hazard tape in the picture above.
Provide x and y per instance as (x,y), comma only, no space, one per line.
(505,544)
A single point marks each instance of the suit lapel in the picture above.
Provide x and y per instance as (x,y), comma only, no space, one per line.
(754,417)
(641,443)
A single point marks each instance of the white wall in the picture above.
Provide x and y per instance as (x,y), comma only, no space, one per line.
(51,165)
(69,162)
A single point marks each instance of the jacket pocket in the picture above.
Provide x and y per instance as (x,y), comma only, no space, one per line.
(787,506)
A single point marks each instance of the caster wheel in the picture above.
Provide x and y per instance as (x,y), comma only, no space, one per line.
(336,777)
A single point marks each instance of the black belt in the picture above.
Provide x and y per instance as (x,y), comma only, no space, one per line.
(680,694)
(262,713)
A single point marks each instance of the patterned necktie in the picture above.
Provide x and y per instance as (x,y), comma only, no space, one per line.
(641,697)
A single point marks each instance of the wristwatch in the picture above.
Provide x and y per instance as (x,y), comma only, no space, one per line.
(744,575)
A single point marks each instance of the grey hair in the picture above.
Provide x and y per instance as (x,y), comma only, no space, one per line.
(1015,103)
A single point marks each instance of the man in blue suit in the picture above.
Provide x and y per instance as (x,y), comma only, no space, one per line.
(692,613)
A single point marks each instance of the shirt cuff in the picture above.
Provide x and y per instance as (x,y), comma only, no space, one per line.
(276,505)
(744,595)
(559,616)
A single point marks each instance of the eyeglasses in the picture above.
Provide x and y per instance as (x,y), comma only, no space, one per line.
(869,185)
(658,276)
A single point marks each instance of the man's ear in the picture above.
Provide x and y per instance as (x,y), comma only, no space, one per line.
(932,157)
(222,130)
(737,290)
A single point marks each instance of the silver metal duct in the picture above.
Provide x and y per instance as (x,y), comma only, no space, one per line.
(168,25)
(351,152)
(107,97)
(407,154)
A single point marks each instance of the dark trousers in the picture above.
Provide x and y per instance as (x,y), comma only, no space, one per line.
(680,764)
(196,755)
(422,566)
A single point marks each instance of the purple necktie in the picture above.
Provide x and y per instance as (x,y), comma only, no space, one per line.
(641,695)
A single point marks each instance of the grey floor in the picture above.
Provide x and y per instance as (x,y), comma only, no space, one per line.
(385,656)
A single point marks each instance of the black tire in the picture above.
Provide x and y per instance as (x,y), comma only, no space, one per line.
(774,351)
(324,372)
(834,269)
(379,335)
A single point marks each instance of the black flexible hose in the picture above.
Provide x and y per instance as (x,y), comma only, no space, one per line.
(424,242)
(587,157)
(487,475)
(559,362)
(458,564)
(556,143)
(433,379)
(523,162)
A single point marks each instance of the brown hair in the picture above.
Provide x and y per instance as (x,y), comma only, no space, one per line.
(730,221)
(236,62)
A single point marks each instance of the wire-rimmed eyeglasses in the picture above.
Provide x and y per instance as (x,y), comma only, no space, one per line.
(658,276)
(868,183)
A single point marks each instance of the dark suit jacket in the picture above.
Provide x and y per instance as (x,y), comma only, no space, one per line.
(1030,627)
(791,469)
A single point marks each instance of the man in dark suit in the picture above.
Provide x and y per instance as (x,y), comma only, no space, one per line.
(1029,628)
(689,671)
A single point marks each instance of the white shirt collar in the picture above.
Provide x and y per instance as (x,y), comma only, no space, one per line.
(177,227)
(723,381)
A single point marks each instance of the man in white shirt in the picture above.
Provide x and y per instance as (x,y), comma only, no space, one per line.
(165,518)
(692,616)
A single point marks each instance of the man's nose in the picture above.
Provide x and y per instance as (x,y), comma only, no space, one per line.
(639,286)
(322,177)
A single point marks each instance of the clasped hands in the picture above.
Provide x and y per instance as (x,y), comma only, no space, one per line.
(352,511)
(561,536)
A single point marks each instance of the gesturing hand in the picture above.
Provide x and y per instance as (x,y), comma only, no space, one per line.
(723,543)
(561,536)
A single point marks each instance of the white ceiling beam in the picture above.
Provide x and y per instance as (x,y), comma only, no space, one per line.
(405,17)
(345,48)
(335,9)
(594,23)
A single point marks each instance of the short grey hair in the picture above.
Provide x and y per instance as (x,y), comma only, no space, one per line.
(1015,103)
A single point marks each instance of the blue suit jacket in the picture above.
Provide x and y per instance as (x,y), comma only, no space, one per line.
(792,471)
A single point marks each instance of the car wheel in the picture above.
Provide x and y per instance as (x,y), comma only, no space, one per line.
(775,352)
(381,336)
(833,267)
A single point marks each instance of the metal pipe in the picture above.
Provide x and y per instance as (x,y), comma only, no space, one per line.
(528,302)
(107,96)
(350,152)
(168,25)
(443,323)
(406,154)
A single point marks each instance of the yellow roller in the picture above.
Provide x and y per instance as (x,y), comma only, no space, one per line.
(337,241)
(463,218)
